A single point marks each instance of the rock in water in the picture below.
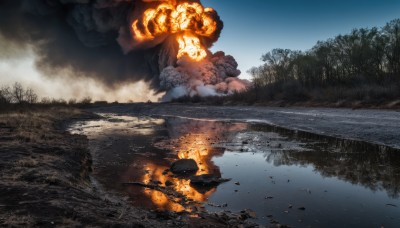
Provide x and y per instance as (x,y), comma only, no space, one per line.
(207,180)
(184,166)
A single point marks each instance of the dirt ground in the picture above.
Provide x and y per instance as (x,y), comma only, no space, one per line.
(45,179)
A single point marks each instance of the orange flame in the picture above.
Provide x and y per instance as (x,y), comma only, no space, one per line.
(197,145)
(190,19)
(191,146)
(158,198)
(191,47)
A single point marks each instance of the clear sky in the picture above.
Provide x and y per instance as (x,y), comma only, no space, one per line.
(254,27)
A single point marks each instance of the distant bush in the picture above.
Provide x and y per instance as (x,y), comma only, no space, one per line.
(100,102)
(189,99)
(72,101)
(86,100)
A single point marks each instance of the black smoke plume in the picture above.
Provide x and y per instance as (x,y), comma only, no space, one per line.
(91,38)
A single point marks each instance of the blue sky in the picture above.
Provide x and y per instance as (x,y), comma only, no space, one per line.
(254,27)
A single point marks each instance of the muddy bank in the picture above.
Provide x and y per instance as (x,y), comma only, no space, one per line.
(45,178)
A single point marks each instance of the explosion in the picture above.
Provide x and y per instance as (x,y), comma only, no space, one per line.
(162,42)
(196,70)
(191,19)
(190,46)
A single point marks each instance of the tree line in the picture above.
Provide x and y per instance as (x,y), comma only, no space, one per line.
(18,96)
(367,58)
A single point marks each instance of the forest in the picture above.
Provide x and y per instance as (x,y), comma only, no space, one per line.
(363,66)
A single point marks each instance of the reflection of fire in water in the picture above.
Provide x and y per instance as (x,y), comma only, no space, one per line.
(196,147)
(191,146)
(191,140)
(158,198)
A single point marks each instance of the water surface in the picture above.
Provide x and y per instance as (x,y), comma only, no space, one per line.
(293,178)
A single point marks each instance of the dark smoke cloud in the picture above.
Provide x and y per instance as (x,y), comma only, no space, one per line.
(78,35)
(92,38)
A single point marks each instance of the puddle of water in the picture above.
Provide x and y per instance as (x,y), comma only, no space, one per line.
(296,178)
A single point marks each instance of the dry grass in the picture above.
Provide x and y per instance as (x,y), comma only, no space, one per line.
(12,176)
(18,221)
(27,163)
(54,178)
(34,126)
(70,223)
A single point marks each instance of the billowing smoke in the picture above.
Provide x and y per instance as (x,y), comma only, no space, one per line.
(216,75)
(115,42)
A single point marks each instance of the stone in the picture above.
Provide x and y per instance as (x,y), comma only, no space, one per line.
(207,180)
(184,166)
(247,213)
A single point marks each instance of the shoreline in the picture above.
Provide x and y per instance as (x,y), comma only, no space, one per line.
(375,126)
(46,181)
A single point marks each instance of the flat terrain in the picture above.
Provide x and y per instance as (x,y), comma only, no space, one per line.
(46,181)
(376,126)
(45,172)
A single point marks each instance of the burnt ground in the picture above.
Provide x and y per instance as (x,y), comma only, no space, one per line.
(377,126)
(45,179)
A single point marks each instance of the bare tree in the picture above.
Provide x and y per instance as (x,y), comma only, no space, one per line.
(5,95)
(18,93)
(30,96)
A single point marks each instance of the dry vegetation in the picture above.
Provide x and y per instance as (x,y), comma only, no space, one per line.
(18,98)
(44,174)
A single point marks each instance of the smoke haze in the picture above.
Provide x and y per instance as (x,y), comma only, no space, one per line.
(93,41)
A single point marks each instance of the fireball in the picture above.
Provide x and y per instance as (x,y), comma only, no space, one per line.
(188,22)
